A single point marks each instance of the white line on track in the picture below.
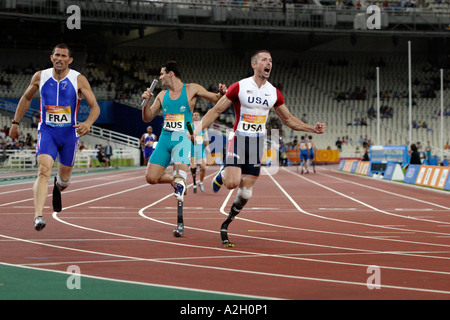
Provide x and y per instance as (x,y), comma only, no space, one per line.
(380,190)
(55,216)
(73,190)
(372,207)
(144,283)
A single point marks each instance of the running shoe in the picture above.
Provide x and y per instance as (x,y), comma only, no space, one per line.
(202,188)
(57,204)
(217,181)
(180,188)
(39,223)
(179,231)
(195,188)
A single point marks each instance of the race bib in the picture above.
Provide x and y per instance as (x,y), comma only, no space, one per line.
(57,116)
(253,123)
(174,122)
(199,140)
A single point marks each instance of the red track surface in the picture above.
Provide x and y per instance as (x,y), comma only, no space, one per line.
(299,237)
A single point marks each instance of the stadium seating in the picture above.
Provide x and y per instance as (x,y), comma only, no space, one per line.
(309,81)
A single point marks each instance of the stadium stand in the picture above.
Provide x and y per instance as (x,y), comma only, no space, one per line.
(324,86)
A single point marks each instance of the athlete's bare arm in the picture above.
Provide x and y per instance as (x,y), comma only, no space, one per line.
(194,89)
(296,124)
(24,103)
(213,114)
(150,112)
(84,87)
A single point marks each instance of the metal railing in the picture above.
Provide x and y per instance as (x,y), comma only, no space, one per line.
(220,15)
(116,137)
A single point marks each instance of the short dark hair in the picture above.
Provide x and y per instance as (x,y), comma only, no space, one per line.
(173,66)
(255,56)
(413,147)
(62,46)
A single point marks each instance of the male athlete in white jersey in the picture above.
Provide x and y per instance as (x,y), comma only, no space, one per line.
(61,89)
(252,98)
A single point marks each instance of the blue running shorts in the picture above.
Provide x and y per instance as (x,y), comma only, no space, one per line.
(58,141)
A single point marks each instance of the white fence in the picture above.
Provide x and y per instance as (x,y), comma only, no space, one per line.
(26,159)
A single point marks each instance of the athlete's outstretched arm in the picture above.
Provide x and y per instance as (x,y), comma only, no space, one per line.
(24,103)
(84,127)
(296,124)
(213,114)
(201,92)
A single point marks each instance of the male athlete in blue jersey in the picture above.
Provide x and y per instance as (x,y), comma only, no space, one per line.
(177,104)
(61,90)
(148,140)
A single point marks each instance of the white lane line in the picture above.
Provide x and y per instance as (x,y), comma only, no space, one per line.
(55,216)
(368,206)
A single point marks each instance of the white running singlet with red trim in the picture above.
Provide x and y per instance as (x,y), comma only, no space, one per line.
(252,105)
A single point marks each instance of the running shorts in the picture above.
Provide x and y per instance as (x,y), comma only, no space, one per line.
(173,146)
(58,141)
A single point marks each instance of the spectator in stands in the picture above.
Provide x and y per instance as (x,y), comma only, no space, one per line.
(58,130)
(366,147)
(295,141)
(338,144)
(101,157)
(283,153)
(304,119)
(5,130)
(425,126)
(447,146)
(108,153)
(2,143)
(415,155)
(371,112)
(82,146)
(35,120)
(29,141)
(428,152)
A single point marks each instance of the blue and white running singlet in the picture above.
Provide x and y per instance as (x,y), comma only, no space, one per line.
(59,107)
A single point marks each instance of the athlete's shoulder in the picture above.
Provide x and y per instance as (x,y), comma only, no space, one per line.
(233,91)
(74,72)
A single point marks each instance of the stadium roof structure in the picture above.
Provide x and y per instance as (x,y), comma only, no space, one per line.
(272,16)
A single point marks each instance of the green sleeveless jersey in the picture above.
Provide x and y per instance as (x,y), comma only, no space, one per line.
(176,112)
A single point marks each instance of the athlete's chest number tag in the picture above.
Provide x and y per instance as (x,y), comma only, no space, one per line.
(57,116)
(253,123)
(174,122)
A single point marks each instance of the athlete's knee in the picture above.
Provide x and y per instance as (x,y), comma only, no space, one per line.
(61,183)
(179,175)
(242,197)
(245,193)
(151,179)
(44,171)
(232,181)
